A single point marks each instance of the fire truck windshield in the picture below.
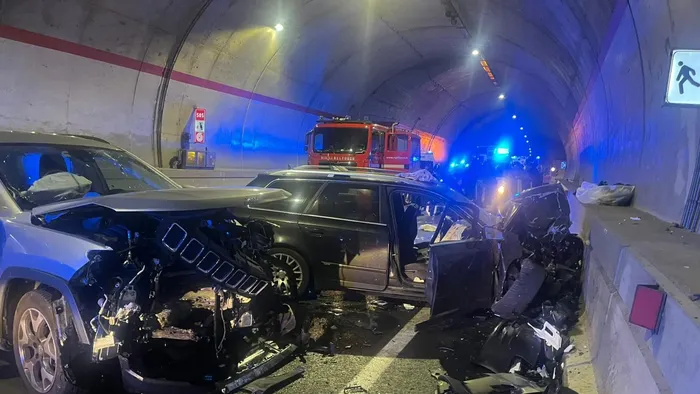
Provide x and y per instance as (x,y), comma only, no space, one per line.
(340,140)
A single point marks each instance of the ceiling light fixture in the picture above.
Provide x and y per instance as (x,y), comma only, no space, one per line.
(522,128)
(475,52)
(515,116)
(279,27)
(501,96)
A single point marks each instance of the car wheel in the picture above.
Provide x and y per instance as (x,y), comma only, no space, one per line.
(299,267)
(36,347)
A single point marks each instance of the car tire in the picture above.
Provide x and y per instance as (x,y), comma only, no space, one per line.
(298,265)
(35,344)
(522,291)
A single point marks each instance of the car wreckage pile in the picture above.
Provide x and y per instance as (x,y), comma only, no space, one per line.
(541,286)
(177,293)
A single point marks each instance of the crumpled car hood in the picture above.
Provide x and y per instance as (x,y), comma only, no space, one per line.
(171,200)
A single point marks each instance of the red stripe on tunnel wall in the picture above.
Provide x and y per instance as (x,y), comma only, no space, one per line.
(60,45)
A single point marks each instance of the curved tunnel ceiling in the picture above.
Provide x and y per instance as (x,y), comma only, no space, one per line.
(405,60)
(402,60)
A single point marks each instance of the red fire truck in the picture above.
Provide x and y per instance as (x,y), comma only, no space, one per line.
(356,143)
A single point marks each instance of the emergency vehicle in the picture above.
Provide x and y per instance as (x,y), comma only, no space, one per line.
(363,143)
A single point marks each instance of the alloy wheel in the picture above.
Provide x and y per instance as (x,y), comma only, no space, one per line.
(37,350)
(293,264)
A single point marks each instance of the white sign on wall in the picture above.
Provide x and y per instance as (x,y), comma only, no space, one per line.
(684,78)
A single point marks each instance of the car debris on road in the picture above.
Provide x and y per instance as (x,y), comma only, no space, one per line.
(524,352)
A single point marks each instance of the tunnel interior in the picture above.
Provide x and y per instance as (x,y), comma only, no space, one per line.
(586,78)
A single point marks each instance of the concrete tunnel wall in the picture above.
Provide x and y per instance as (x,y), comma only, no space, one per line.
(624,132)
(590,73)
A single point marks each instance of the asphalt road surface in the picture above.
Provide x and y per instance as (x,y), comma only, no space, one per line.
(377,349)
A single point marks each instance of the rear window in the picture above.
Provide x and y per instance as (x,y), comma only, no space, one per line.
(301,191)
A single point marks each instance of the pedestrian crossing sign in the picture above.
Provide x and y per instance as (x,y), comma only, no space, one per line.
(684,78)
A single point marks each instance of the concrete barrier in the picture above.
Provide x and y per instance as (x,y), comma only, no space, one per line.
(621,254)
(213,178)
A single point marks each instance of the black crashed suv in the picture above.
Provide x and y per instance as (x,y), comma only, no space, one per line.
(375,232)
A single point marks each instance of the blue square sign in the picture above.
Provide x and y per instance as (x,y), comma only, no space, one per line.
(684,78)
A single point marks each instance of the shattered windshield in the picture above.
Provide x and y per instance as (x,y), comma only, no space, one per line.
(42,174)
(340,140)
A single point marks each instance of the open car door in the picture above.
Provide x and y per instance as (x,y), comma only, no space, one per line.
(461,266)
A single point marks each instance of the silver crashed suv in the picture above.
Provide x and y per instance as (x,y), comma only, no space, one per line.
(102,258)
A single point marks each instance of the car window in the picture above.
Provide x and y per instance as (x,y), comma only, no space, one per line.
(41,174)
(301,192)
(419,211)
(348,201)
(455,227)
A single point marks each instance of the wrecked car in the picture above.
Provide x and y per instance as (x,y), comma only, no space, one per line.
(107,264)
(374,232)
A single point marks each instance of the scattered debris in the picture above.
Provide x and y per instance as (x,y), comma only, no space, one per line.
(409,307)
(635,218)
(604,194)
(427,227)
(549,334)
(268,384)
(418,280)
(348,346)
(503,383)
(541,288)
(354,390)
(695,297)
(379,302)
(569,348)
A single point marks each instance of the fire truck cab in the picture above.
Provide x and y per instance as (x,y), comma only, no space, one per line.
(354,143)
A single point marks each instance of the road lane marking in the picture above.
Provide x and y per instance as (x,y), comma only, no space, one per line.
(379,363)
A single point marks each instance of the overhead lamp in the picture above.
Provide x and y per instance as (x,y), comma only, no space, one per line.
(537,157)
(527,141)
(552,169)
(279,27)
(501,96)
(522,128)
(525,136)
(475,52)
(515,116)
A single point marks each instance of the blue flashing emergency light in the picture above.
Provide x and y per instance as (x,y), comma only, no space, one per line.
(463,161)
(453,164)
(502,151)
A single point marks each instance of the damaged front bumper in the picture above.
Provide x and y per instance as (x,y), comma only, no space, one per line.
(183,300)
(263,359)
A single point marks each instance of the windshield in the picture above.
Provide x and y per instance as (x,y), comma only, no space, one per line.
(340,140)
(42,174)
